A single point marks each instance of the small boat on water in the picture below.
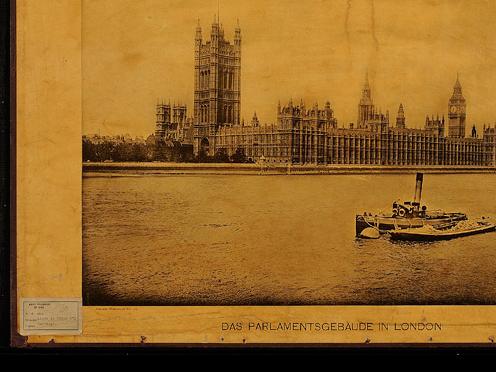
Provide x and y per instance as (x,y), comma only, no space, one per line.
(431,233)
(406,215)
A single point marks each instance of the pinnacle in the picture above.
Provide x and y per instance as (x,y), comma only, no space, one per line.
(457,83)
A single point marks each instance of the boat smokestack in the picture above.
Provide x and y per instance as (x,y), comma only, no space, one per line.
(418,188)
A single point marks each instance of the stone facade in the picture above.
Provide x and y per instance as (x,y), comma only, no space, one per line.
(435,126)
(310,135)
(457,112)
(299,136)
(172,123)
(217,86)
(369,117)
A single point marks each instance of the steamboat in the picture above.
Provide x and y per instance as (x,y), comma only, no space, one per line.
(405,215)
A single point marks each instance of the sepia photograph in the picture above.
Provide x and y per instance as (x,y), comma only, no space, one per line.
(318,152)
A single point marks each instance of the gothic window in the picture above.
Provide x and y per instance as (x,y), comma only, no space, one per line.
(204,77)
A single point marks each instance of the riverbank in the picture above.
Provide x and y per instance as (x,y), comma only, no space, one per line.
(130,169)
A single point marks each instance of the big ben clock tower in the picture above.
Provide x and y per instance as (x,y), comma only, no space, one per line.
(457,112)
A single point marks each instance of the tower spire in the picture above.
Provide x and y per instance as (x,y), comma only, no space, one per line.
(457,111)
(237,34)
(366,87)
(458,86)
(400,117)
(198,31)
(366,109)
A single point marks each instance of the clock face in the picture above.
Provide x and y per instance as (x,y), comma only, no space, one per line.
(453,109)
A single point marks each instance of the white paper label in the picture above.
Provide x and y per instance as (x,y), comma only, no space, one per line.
(50,316)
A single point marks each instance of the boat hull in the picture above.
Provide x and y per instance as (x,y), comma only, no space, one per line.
(386,223)
(412,235)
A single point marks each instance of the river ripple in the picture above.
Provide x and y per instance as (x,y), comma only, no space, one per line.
(270,240)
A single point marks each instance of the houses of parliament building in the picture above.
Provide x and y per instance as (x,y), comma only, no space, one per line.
(310,134)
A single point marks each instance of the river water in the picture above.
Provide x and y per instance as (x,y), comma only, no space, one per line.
(273,240)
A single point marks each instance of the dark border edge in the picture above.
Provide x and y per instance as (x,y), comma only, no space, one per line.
(16,339)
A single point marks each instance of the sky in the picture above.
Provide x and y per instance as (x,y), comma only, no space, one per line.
(136,52)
